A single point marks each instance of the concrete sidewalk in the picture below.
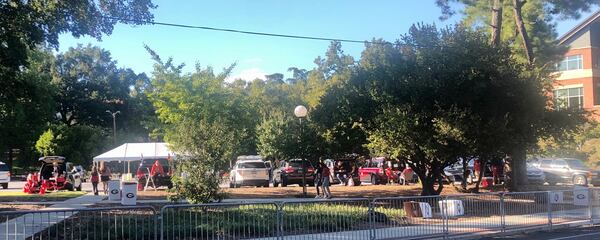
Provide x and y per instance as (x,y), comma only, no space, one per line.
(34,222)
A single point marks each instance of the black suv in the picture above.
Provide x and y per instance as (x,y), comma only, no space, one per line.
(567,170)
(290,172)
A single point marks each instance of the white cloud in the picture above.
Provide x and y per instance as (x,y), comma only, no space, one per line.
(248,75)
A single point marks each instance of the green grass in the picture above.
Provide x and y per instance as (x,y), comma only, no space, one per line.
(10,196)
(261,220)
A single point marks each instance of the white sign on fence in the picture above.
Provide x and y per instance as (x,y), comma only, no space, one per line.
(581,197)
(556,197)
(425,210)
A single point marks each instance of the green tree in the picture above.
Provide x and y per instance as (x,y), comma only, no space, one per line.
(528,25)
(78,144)
(25,26)
(47,145)
(203,118)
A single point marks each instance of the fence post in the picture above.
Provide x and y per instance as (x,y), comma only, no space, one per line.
(590,203)
(279,221)
(445,224)
(502,213)
(161,218)
(549,203)
(371,214)
(156,219)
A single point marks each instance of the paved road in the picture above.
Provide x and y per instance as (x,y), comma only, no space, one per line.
(583,233)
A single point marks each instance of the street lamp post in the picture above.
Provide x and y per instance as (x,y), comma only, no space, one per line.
(114,116)
(300,112)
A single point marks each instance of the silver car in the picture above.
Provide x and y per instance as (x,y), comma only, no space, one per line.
(535,175)
(4,175)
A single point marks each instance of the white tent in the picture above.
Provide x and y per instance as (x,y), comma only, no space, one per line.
(135,152)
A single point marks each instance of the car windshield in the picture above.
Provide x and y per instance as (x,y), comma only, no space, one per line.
(575,163)
(252,165)
(4,167)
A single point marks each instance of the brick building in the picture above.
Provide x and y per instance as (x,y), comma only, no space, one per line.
(578,84)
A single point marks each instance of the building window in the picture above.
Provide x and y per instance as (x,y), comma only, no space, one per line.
(568,98)
(570,63)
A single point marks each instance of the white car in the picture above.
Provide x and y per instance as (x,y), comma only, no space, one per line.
(4,175)
(249,173)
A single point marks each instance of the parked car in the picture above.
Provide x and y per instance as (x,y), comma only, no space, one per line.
(349,162)
(4,175)
(160,179)
(535,175)
(454,172)
(252,172)
(72,179)
(290,172)
(374,171)
(567,170)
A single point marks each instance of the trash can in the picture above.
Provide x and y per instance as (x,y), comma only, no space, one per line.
(114,191)
(128,193)
(451,208)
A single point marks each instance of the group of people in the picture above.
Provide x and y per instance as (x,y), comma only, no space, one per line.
(496,166)
(100,175)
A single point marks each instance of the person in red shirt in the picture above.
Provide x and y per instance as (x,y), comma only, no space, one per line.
(477,168)
(325,176)
(94,178)
(157,169)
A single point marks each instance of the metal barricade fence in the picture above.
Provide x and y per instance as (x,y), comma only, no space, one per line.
(568,206)
(330,219)
(219,221)
(522,210)
(92,223)
(381,218)
(408,217)
(595,204)
(481,213)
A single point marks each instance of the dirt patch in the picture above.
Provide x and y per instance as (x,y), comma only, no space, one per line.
(364,191)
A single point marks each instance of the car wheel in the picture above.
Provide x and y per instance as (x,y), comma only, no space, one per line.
(580,180)
(373,179)
(266,184)
(79,188)
(231,185)
(69,187)
(275,183)
(357,183)
(4,185)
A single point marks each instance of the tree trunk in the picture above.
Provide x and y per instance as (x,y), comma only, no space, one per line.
(517,4)
(518,169)
(428,185)
(482,168)
(496,22)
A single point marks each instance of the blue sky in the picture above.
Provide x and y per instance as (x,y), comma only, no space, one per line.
(258,55)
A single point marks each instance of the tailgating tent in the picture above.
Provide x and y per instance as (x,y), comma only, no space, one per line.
(129,152)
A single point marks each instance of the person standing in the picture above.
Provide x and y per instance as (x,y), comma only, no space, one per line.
(105,177)
(325,174)
(319,179)
(94,178)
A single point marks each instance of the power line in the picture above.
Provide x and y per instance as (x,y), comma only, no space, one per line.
(240,31)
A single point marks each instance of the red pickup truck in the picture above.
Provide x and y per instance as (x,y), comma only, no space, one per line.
(379,171)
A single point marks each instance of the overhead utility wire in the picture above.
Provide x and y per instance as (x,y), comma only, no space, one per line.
(240,31)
